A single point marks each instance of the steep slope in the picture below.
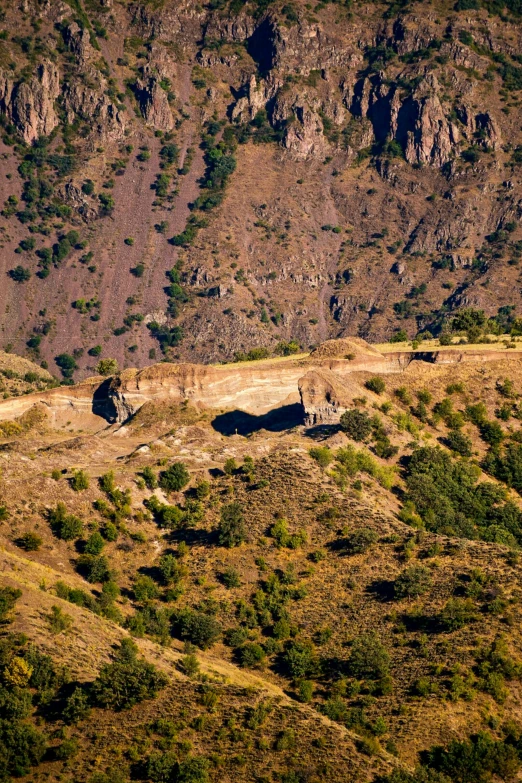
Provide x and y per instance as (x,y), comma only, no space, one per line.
(349,594)
(301,173)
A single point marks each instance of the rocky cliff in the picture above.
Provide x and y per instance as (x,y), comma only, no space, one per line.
(324,384)
(306,173)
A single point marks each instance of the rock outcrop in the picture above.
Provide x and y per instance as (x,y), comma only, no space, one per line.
(30,105)
(154,103)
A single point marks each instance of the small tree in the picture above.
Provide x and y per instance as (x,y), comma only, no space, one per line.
(322,455)
(19,274)
(361,540)
(232,529)
(230,466)
(65,526)
(127,681)
(356,424)
(412,582)
(459,443)
(368,657)
(67,364)
(174,478)
(375,384)
(30,541)
(94,544)
(107,367)
(79,481)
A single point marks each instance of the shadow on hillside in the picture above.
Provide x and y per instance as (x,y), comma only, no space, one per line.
(241,423)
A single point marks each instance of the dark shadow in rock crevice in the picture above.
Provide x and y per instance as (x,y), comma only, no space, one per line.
(240,423)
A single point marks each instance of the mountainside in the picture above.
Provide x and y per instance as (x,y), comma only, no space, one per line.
(201,180)
(326,588)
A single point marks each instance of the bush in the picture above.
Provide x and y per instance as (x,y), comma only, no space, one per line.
(94,544)
(279,531)
(306,691)
(77,707)
(127,681)
(65,526)
(145,588)
(107,367)
(58,620)
(459,443)
(412,582)
(30,541)
(356,424)
(474,760)
(22,748)
(8,598)
(94,569)
(457,613)
(375,384)
(251,655)
(149,477)
(301,660)
(19,274)
(174,478)
(361,540)
(165,768)
(322,455)
(79,481)
(449,499)
(231,578)
(368,658)
(232,528)
(67,364)
(198,628)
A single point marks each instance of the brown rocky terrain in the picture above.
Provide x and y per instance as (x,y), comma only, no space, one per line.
(295,583)
(344,168)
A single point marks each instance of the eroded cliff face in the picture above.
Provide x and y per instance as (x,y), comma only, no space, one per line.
(371,182)
(325,383)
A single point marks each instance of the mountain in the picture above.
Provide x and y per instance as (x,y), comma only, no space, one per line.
(201,584)
(198,181)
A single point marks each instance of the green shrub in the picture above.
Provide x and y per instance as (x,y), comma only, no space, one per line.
(145,588)
(361,540)
(65,526)
(322,455)
(175,478)
(280,533)
(459,443)
(77,707)
(58,620)
(20,274)
(151,481)
(8,598)
(412,582)
(94,568)
(79,481)
(30,541)
(252,655)
(232,528)
(300,659)
(356,424)
(474,760)
(231,578)
(368,658)
(107,367)
(94,544)
(457,613)
(306,691)
(375,384)
(127,680)
(197,628)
